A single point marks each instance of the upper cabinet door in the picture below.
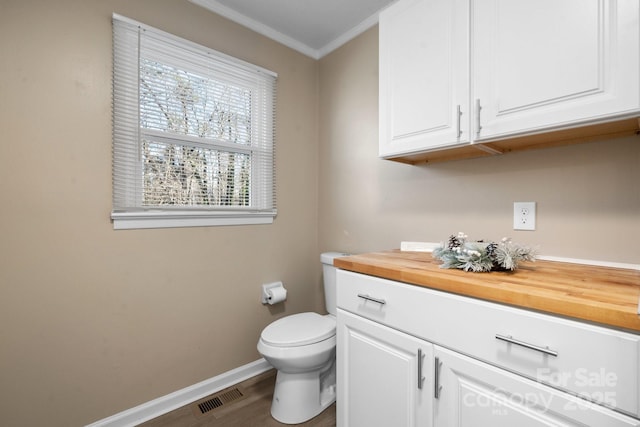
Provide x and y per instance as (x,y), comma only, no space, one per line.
(548,64)
(424,80)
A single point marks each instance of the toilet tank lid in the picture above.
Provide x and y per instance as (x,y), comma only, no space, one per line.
(299,329)
(328,257)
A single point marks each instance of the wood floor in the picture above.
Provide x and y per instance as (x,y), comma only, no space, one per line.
(250,410)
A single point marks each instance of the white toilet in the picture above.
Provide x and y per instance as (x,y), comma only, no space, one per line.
(302,347)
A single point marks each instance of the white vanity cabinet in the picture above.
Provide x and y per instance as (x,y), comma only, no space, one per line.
(457,74)
(483,363)
(424,79)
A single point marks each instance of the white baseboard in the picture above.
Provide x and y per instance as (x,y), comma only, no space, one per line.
(162,405)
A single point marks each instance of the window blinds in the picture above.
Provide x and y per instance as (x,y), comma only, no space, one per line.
(193,132)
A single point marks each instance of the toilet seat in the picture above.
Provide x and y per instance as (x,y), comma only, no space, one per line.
(298,330)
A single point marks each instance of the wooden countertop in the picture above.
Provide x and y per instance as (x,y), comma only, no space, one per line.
(605,295)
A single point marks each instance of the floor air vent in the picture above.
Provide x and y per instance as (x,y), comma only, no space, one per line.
(217,401)
(210,405)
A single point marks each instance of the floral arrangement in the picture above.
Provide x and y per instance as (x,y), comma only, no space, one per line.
(479,256)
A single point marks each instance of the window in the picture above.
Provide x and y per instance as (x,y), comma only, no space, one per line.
(193,133)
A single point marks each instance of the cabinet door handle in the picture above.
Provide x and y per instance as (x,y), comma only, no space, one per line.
(510,339)
(420,377)
(458,118)
(372,299)
(436,378)
(478,126)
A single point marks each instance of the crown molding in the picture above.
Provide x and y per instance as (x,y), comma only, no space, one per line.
(258,27)
(349,35)
(225,11)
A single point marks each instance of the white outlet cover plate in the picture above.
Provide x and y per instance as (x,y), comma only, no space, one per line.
(524,215)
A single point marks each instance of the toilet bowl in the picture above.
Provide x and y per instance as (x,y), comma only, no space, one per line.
(302,347)
(305,383)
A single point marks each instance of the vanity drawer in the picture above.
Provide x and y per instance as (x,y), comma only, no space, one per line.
(598,363)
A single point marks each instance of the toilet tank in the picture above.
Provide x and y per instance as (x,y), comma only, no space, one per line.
(329,279)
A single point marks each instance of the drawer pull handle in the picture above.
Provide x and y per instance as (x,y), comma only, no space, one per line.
(420,377)
(372,299)
(510,339)
(478,125)
(436,380)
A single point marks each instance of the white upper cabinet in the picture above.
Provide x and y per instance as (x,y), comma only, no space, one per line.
(546,64)
(424,80)
(457,74)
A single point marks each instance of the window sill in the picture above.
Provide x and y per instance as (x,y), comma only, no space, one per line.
(164,219)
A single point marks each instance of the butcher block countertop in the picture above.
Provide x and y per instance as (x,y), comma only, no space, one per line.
(604,295)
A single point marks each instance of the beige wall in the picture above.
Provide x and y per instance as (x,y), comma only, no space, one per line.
(95,321)
(588,195)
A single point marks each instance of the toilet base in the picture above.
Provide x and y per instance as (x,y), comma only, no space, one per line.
(299,397)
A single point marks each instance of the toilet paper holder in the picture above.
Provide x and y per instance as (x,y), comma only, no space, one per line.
(267,287)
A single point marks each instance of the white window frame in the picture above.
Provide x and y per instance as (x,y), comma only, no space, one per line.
(128,211)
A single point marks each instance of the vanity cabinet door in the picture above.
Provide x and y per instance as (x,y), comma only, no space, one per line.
(471,393)
(424,76)
(547,64)
(384,376)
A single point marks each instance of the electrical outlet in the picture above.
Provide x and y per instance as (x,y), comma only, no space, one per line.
(524,215)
